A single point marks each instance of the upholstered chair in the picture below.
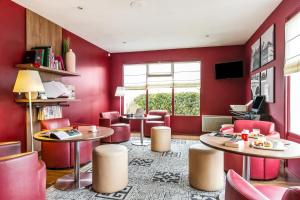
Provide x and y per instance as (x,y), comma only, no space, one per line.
(163,121)
(120,126)
(238,188)
(261,168)
(61,155)
(22,175)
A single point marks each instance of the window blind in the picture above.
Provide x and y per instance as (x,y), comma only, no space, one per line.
(292,45)
(135,77)
(187,74)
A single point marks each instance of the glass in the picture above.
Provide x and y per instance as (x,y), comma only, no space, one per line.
(134,99)
(187,101)
(160,99)
(294,126)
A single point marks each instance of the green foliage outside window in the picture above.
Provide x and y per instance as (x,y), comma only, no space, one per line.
(186,103)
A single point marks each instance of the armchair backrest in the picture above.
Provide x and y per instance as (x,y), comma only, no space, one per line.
(292,193)
(114,116)
(238,188)
(55,123)
(19,176)
(161,113)
(265,127)
(10,148)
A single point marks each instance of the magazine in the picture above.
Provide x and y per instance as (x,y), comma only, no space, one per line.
(61,134)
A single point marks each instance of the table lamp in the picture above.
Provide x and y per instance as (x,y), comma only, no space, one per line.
(29,81)
(120,92)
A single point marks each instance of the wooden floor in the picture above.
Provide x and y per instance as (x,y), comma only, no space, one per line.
(285,179)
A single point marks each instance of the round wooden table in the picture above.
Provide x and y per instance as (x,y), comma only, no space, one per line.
(142,119)
(77,179)
(292,150)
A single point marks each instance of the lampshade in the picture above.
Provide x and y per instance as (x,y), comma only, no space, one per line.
(28,81)
(120,91)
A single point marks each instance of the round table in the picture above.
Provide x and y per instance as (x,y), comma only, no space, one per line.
(141,118)
(77,179)
(292,150)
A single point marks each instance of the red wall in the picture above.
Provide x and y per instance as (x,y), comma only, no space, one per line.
(277,110)
(12,45)
(216,95)
(278,17)
(91,86)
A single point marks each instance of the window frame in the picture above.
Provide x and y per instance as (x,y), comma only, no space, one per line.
(172,85)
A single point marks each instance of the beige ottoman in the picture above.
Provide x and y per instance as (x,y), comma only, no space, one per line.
(110,168)
(206,168)
(161,138)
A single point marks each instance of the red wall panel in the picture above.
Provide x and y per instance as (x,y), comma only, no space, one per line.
(216,95)
(12,45)
(91,87)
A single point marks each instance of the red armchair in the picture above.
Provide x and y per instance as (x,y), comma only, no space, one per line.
(22,175)
(120,126)
(164,121)
(61,155)
(261,168)
(238,188)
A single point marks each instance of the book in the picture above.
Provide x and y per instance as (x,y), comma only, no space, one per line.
(61,134)
(39,56)
(47,54)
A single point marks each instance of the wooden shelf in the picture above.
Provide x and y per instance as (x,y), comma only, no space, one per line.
(47,70)
(58,100)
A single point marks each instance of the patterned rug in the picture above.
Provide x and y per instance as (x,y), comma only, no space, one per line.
(152,176)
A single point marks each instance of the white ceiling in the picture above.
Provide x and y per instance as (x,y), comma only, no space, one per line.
(116,26)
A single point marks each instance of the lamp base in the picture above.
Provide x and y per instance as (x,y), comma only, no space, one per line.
(34,95)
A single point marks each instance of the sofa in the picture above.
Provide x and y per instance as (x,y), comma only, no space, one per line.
(261,168)
(61,155)
(120,126)
(23,175)
(163,121)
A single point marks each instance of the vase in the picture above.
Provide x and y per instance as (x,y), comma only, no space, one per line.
(71,61)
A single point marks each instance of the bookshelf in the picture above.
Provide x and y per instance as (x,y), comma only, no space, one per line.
(47,101)
(47,70)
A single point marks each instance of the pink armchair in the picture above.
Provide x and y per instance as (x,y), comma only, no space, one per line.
(238,188)
(261,168)
(61,155)
(164,121)
(22,175)
(120,126)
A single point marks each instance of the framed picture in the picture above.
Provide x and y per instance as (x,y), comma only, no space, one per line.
(267,45)
(255,85)
(267,84)
(255,55)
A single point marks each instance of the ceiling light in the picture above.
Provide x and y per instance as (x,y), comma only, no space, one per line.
(137,3)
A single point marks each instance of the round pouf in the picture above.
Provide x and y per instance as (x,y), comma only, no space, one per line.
(161,138)
(206,168)
(110,168)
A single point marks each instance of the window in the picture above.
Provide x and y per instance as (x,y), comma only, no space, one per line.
(292,69)
(155,86)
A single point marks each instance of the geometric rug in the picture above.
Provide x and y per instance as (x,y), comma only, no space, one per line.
(152,176)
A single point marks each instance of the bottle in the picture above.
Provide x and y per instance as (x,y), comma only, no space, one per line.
(71,61)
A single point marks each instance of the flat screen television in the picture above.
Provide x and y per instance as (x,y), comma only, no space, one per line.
(229,70)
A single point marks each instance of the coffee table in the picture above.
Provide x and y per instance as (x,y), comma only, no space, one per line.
(142,119)
(78,179)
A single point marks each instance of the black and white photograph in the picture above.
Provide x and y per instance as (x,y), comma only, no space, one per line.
(255,55)
(255,85)
(267,84)
(267,46)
